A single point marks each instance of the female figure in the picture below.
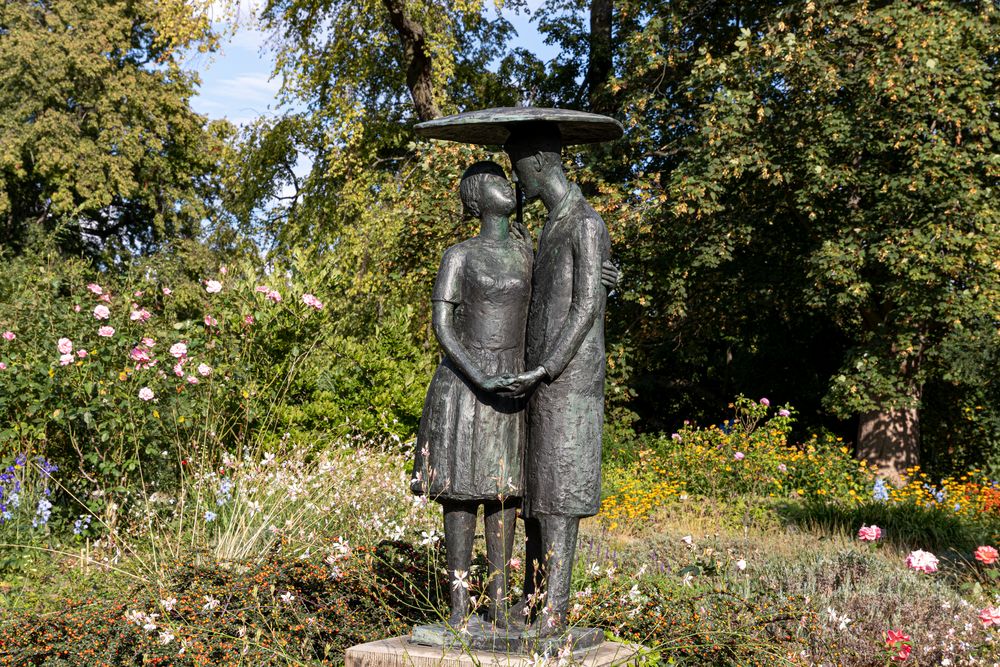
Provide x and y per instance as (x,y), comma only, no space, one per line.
(470,445)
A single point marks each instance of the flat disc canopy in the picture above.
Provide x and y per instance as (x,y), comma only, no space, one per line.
(492,127)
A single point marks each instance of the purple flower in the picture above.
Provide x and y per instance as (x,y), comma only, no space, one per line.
(765,402)
(739,456)
(784,413)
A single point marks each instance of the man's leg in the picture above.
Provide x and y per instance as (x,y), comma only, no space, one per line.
(559,544)
(459,529)
(500,518)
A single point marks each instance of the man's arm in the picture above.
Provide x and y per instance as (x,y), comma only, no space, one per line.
(588,294)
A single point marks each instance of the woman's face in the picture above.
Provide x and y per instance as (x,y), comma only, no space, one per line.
(497,196)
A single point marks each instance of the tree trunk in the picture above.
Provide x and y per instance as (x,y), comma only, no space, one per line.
(418,60)
(600,61)
(889,440)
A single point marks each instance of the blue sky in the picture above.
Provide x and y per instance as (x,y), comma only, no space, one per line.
(237,83)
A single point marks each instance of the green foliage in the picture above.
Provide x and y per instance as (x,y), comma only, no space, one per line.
(861,139)
(258,365)
(98,143)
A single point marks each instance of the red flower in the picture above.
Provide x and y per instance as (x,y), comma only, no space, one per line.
(897,640)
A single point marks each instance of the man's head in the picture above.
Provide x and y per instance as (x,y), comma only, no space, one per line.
(535,154)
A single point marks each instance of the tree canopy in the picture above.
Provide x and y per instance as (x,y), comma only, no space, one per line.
(98,143)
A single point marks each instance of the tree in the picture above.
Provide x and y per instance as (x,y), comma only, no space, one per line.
(850,147)
(98,143)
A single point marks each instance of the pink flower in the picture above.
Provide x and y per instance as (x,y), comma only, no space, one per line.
(179,368)
(898,641)
(146,394)
(65,359)
(76,308)
(987,555)
(81,353)
(213,286)
(765,402)
(248,319)
(869,533)
(179,350)
(204,370)
(137,294)
(147,341)
(223,270)
(140,356)
(65,346)
(784,413)
(990,616)
(167,291)
(3,366)
(782,467)
(274,296)
(192,379)
(310,300)
(262,289)
(142,315)
(739,456)
(676,437)
(95,288)
(106,332)
(106,297)
(922,561)
(101,312)
(210,321)
(9,335)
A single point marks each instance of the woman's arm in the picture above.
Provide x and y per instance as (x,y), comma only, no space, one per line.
(444,329)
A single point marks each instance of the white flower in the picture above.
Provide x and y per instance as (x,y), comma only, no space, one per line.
(211,603)
(213,286)
(146,394)
(287,597)
(594,570)
(688,540)
(166,637)
(168,604)
(204,370)
(461,580)
(687,579)
(178,350)
(741,565)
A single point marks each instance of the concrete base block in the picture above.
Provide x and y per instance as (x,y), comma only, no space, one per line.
(401,652)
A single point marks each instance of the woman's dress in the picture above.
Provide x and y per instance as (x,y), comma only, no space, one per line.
(470,445)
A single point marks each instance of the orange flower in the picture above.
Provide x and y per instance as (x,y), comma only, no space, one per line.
(987,555)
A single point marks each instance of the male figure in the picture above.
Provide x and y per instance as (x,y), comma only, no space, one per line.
(565,358)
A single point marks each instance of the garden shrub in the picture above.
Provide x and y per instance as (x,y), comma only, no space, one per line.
(281,611)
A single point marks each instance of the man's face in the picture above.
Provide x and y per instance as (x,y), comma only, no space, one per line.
(527,171)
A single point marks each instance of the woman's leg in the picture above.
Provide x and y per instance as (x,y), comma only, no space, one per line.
(500,517)
(459,529)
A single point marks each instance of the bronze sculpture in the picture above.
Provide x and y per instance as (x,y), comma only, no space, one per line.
(565,359)
(470,445)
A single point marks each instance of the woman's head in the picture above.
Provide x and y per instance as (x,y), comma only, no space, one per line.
(485,188)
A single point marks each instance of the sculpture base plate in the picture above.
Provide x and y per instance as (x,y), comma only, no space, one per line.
(400,652)
(480,635)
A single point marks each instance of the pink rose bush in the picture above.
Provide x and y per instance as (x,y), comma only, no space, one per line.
(986,555)
(990,616)
(9,336)
(102,312)
(869,533)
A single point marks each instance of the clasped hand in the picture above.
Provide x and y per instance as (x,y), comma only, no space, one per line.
(514,386)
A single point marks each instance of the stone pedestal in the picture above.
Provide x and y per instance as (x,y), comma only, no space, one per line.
(400,652)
